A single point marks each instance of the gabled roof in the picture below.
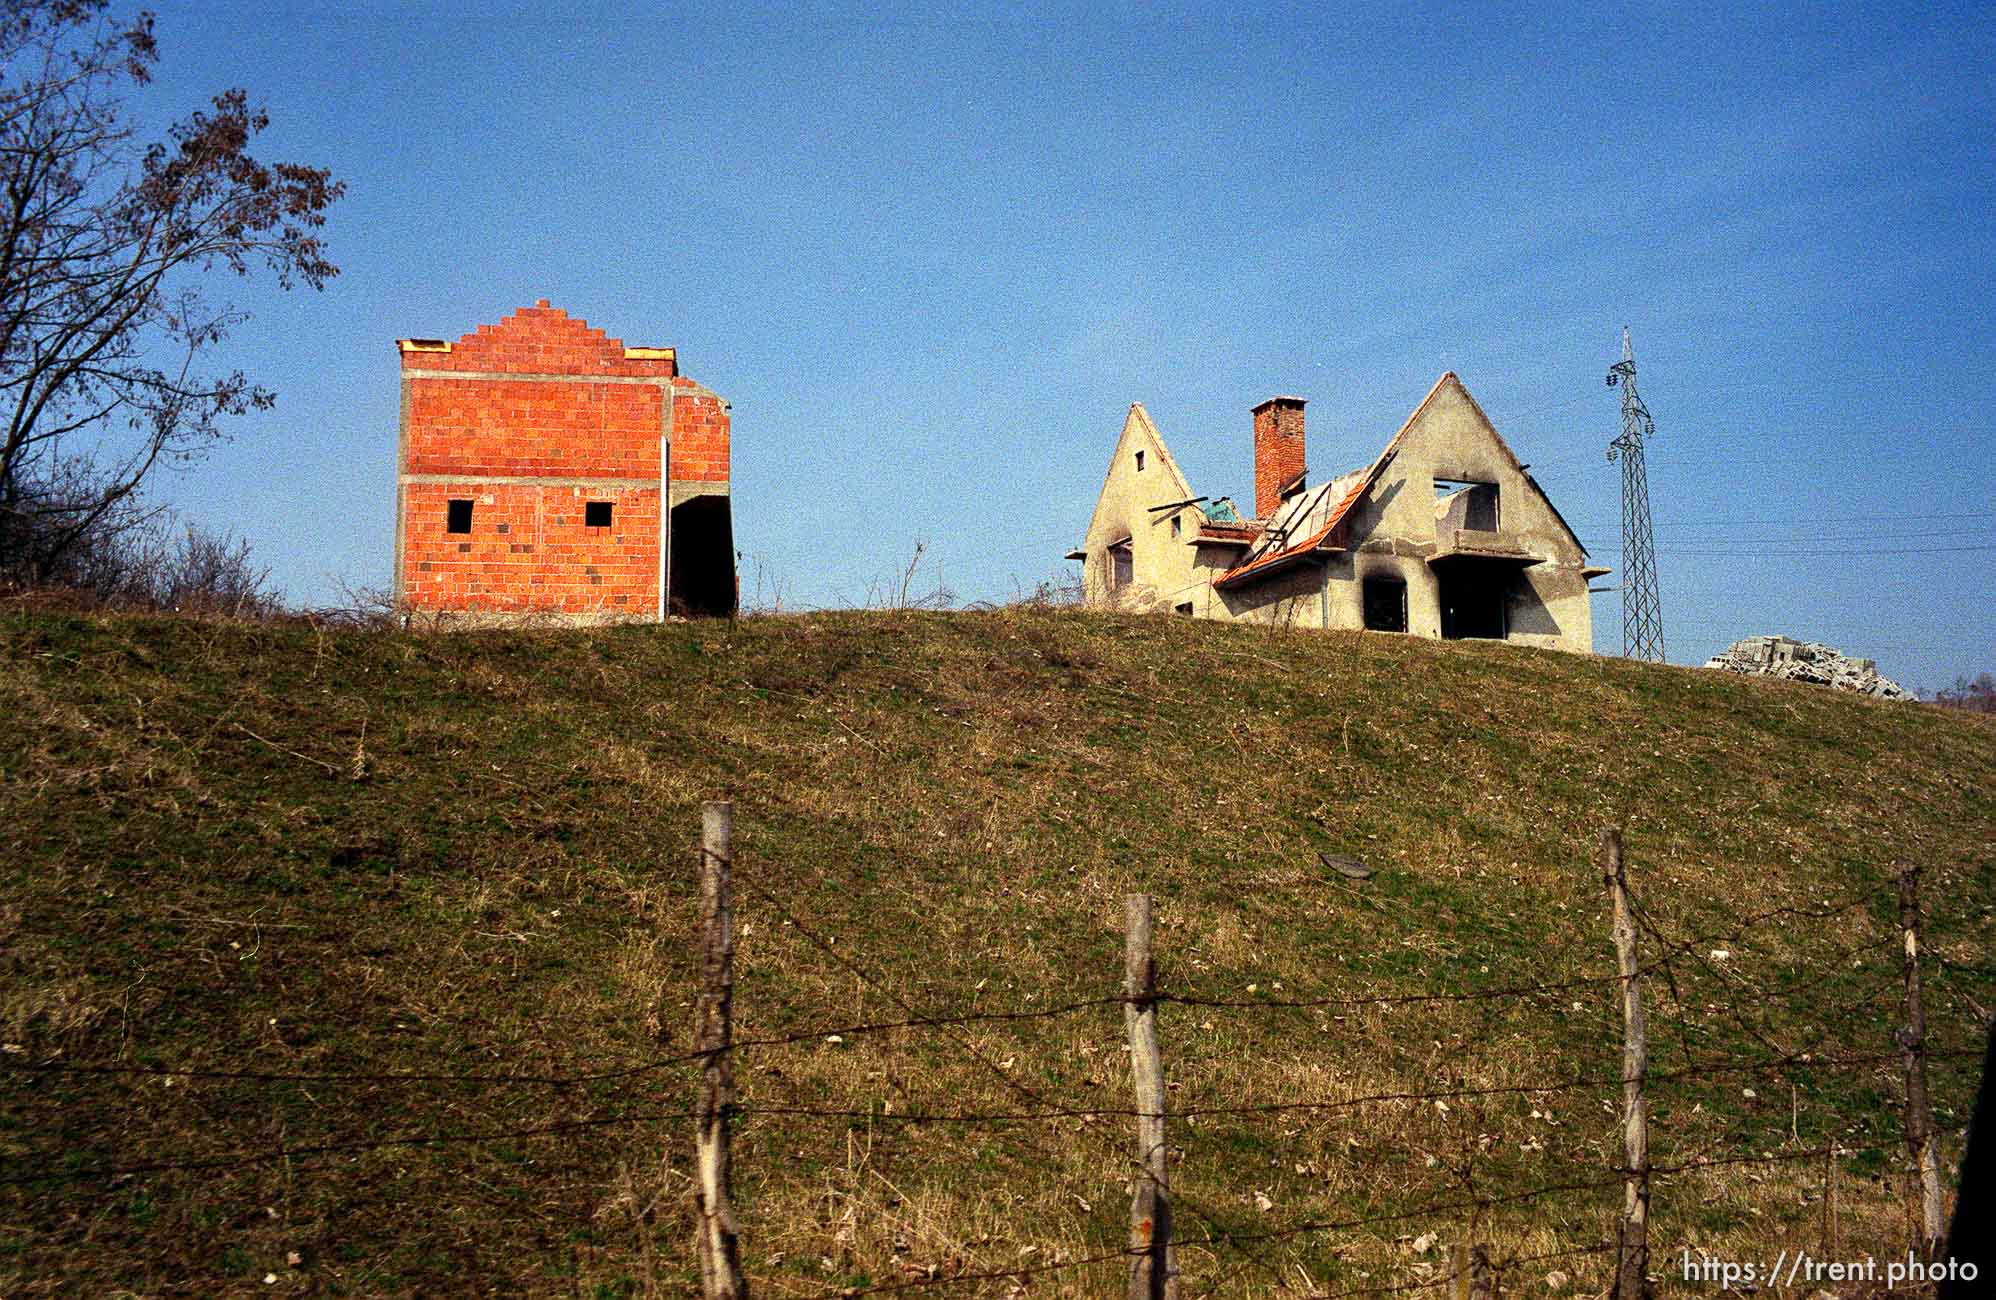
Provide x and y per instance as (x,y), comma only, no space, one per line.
(1142,417)
(1300,508)
(1137,426)
(1306,525)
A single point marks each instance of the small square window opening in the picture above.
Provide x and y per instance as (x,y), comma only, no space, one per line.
(457,515)
(596,514)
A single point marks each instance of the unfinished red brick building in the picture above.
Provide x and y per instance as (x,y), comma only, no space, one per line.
(534,457)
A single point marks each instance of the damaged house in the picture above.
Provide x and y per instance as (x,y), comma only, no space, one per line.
(547,470)
(1443,534)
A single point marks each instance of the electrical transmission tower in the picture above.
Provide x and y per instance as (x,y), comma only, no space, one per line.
(1642,613)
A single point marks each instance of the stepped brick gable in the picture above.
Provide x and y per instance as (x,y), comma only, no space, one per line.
(547,469)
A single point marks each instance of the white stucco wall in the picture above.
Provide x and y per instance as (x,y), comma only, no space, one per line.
(1392,531)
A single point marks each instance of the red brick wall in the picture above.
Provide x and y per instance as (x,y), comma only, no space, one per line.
(1278,450)
(506,427)
(529,547)
(699,438)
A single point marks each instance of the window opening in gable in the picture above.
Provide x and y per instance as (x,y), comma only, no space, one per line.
(1465,504)
(596,514)
(457,515)
(1385,604)
(1120,568)
(1175,526)
(1140,462)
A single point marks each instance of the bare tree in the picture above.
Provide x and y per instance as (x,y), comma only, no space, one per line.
(768,589)
(103,325)
(899,592)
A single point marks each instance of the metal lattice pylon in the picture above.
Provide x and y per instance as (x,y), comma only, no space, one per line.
(1642,611)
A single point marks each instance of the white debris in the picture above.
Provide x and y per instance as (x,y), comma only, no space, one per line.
(1807,661)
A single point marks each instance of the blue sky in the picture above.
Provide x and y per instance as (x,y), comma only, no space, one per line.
(931,257)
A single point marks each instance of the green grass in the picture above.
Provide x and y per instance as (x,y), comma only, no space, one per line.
(274,848)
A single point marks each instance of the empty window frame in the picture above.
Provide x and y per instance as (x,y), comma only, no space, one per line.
(1140,462)
(1176,526)
(1466,504)
(457,515)
(1385,604)
(1121,570)
(596,514)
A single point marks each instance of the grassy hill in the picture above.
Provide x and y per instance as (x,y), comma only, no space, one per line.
(252,850)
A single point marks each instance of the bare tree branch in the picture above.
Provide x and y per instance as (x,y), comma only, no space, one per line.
(104,247)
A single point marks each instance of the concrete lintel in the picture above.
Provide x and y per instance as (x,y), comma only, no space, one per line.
(683,490)
(1397,546)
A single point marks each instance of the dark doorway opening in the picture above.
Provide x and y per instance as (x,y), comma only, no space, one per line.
(1385,604)
(703,557)
(1472,605)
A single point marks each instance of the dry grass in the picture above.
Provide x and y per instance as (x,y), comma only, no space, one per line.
(288,849)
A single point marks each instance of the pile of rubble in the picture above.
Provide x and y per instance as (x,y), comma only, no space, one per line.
(1807,661)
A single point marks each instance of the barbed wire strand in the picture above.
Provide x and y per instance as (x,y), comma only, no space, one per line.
(911,1022)
(997,1071)
(570,1080)
(242,1159)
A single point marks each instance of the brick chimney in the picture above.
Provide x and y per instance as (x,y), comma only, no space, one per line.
(1278,451)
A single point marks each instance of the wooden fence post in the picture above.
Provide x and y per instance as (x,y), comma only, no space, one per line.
(1632,1235)
(720,1257)
(1472,1277)
(1153,1264)
(1913,1050)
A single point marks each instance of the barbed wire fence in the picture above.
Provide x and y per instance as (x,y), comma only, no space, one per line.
(1154,1241)
(1165,1222)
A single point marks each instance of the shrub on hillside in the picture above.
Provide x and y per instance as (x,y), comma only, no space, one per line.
(1978,696)
(146,559)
